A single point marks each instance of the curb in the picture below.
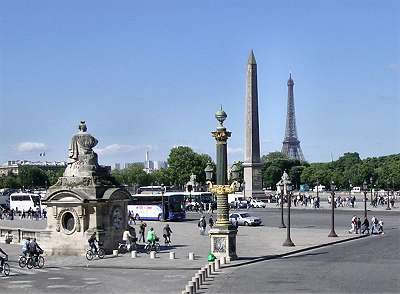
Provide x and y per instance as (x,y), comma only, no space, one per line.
(295,251)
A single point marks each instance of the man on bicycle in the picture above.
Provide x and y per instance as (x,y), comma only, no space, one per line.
(25,246)
(151,237)
(127,238)
(92,240)
(167,234)
(34,248)
(2,259)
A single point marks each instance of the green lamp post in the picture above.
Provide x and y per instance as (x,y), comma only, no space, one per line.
(223,234)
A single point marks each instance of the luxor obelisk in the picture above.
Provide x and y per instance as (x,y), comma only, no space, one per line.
(252,164)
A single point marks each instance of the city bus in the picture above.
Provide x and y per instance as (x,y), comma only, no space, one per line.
(23,201)
(149,206)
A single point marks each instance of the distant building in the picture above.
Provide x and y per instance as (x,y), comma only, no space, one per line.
(117,166)
(12,166)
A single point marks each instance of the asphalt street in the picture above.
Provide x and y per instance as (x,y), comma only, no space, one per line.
(367,265)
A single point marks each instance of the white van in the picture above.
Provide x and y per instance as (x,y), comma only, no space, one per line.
(356,190)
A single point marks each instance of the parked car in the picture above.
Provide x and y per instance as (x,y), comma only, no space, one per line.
(245,219)
(257,203)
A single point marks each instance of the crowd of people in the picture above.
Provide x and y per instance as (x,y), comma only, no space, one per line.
(30,214)
(373,228)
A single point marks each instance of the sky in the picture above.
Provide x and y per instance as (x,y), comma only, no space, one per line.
(150,75)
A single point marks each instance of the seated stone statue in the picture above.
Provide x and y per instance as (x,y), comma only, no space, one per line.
(82,160)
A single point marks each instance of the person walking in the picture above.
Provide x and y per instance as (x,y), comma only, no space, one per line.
(211,222)
(353,224)
(202,225)
(142,231)
(365,226)
(358,226)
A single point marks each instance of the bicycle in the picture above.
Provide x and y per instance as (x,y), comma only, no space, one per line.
(123,247)
(35,261)
(155,246)
(6,268)
(100,253)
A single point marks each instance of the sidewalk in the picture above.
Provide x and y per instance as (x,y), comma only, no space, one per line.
(252,243)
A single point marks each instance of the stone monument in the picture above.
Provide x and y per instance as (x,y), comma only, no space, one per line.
(252,164)
(84,200)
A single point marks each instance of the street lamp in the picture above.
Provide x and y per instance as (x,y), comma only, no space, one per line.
(162,201)
(371,181)
(288,186)
(279,187)
(223,234)
(365,189)
(317,187)
(388,202)
(333,233)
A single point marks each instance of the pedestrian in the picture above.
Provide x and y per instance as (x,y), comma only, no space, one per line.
(365,226)
(353,224)
(211,222)
(142,230)
(358,227)
(353,200)
(380,227)
(202,225)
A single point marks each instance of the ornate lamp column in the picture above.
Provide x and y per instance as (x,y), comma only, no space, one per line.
(365,190)
(223,234)
(333,233)
(288,188)
(280,187)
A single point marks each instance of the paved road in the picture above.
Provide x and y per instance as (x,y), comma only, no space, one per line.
(368,265)
(93,280)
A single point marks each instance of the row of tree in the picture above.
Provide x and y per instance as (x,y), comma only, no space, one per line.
(346,172)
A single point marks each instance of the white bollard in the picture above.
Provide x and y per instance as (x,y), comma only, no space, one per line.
(115,252)
(227,260)
(184,292)
(172,255)
(133,254)
(152,254)
(217,264)
(200,277)
(193,286)
(191,256)
(212,267)
(196,283)
(205,273)
(223,260)
(189,289)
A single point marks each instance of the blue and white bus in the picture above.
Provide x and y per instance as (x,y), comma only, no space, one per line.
(149,206)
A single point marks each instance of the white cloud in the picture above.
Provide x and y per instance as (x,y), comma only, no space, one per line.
(31,146)
(114,149)
(233,151)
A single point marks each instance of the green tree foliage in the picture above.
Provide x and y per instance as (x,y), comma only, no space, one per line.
(183,162)
(349,169)
(275,163)
(32,176)
(132,176)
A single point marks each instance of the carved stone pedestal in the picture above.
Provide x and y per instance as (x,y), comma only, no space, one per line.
(223,242)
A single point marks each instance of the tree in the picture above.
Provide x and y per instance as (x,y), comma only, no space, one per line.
(183,162)
(32,176)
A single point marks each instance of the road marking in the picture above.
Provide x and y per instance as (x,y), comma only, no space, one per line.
(19,271)
(53,269)
(56,278)
(59,286)
(20,282)
(66,267)
(92,282)
(19,286)
(86,279)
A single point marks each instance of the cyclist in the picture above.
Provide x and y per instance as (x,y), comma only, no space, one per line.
(25,246)
(167,234)
(127,238)
(92,240)
(151,237)
(2,259)
(34,248)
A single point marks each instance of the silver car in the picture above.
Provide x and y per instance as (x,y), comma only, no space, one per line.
(244,219)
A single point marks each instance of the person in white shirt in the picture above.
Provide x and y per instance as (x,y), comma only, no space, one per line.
(127,237)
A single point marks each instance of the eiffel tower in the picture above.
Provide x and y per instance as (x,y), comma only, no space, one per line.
(291,144)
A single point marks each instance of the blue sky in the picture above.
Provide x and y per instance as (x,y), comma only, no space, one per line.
(151,75)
